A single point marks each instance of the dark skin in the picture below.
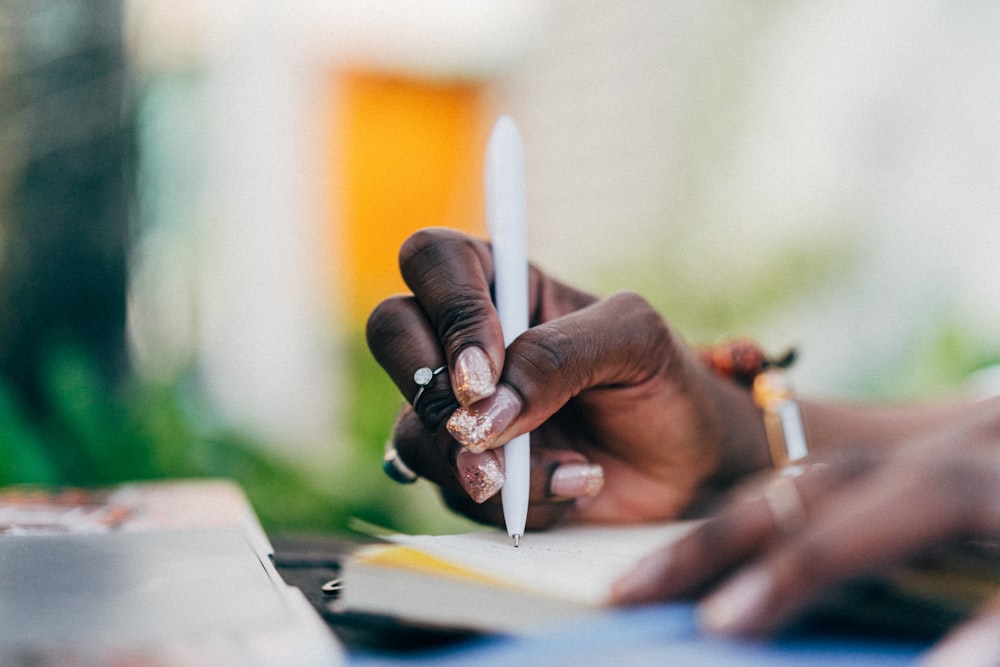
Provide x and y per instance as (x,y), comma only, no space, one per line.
(608,383)
(866,511)
(661,431)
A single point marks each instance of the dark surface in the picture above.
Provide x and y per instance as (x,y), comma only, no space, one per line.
(310,563)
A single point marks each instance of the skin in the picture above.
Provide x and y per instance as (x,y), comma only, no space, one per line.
(603,381)
(935,490)
(607,382)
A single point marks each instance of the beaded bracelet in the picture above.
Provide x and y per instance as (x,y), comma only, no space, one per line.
(745,363)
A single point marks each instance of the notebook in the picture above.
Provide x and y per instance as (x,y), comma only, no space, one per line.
(480,581)
(176,573)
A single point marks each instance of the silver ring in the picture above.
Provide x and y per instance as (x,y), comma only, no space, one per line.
(423,377)
(395,468)
(785,502)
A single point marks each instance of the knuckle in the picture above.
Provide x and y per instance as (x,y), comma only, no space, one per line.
(656,347)
(712,541)
(386,321)
(630,301)
(639,315)
(426,250)
(419,243)
(461,313)
(540,354)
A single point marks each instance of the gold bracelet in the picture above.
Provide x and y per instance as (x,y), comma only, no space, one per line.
(786,435)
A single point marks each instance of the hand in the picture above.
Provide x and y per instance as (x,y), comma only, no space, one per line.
(607,389)
(856,516)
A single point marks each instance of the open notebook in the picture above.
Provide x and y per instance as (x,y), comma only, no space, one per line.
(480,581)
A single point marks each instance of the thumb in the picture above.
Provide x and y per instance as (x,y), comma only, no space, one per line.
(619,341)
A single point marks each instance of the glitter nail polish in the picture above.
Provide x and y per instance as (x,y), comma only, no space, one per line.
(480,474)
(474,377)
(576,480)
(479,426)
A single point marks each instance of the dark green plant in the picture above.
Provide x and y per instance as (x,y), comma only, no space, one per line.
(94,435)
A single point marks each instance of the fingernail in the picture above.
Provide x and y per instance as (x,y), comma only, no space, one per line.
(480,474)
(972,644)
(576,480)
(735,608)
(474,379)
(642,582)
(479,426)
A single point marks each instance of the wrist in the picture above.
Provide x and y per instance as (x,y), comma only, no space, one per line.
(743,446)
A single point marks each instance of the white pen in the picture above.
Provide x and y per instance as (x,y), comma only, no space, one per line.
(505,220)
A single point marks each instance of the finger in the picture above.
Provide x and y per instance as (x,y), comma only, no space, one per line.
(886,517)
(617,342)
(449,274)
(556,476)
(567,473)
(430,455)
(477,477)
(739,531)
(974,643)
(402,340)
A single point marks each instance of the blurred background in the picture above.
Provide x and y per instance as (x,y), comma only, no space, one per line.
(200,202)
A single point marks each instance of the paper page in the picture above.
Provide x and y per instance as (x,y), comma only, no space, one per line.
(578,563)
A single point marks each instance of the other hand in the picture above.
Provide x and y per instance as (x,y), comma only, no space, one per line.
(776,553)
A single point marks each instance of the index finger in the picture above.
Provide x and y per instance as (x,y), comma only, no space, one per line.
(449,274)
(885,518)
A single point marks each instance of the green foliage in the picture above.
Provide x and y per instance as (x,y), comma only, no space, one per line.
(94,434)
(932,362)
(709,292)
(91,434)
(374,497)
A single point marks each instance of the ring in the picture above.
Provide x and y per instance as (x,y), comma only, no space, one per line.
(785,502)
(423,377)
(395,468)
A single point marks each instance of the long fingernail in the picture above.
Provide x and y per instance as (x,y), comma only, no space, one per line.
(576,480)
(479,426)
(480,474)
(474,377)
(735,609)
(642,582)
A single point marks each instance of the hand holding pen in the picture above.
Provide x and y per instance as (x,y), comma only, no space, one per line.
(627,425)
(611,395)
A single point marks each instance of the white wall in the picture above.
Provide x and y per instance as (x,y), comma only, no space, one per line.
(716,135)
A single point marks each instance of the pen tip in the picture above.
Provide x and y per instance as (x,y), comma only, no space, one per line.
(517,540)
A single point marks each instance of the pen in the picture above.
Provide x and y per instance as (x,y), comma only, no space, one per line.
(505,220)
